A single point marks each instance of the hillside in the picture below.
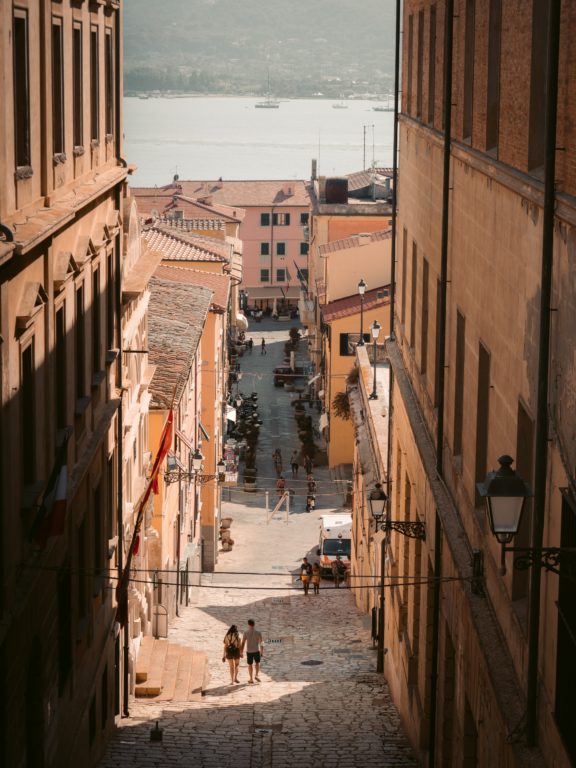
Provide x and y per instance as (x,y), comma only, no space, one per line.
(329,46)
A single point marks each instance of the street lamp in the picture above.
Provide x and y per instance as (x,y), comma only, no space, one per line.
(361,290)
(175,472)
(505,493)
(375,329)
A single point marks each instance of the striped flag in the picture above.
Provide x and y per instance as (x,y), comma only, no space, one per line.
(51,517)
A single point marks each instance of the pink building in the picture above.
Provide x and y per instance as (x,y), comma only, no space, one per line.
(273,231)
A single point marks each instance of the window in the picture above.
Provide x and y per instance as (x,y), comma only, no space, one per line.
(264,275)
(96,323)
(27,414)
(304,218)
(493,87)
(303,249)
(413,287)
(64,627)
(264,219)
(281,219)
(469,35)
(424,323)
(482,411)
(420,64)
(77,86)
(409,64)
(459,383)
(349,342)
(82,569)
(60,360)
(280,249)
(21,89)
(280,275)
(264,249)
(109,93)
(57,88)
(98,539)
(80,341)
(94,85)
(437,345)
(104,698)
(538,83)
(404,267)
(432,65)
(109,302)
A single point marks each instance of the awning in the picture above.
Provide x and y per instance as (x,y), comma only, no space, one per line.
(184,439)
(241,321)
(203,430)
(323,421)
(274,292)
(230,413)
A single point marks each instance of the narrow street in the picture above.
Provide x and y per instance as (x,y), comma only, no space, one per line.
(319,701)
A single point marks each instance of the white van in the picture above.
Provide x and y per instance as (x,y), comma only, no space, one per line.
(335,539)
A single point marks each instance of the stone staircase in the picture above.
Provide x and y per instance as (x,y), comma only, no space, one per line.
(170,672)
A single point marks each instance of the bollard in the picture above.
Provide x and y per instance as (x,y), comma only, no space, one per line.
(156,733)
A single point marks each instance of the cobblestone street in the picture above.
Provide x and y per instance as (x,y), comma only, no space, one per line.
(319,701)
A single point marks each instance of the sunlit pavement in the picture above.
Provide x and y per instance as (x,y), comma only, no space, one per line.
(319,701)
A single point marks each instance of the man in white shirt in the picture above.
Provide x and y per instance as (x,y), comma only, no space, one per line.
(252,641)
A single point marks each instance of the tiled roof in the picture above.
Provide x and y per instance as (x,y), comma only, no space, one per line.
(354,241)
(211,225)
(218,284)
(362,179)
(243,194)
(184,246)
(176,316)
(350,305)
(165,202)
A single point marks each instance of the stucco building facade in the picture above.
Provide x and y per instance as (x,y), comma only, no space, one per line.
(62,190)
(467,386)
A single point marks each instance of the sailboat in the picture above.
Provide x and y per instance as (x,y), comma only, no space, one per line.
(269,102)
(339,105)
(388,107)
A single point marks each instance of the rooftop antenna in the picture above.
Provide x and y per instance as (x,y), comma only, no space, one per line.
(364,153)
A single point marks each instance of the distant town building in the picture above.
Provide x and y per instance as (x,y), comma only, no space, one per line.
(273,230)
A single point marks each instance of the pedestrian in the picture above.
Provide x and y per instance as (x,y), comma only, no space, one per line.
(308,465)
(252,641)
(294,463)
(277,459)
(311,484)
(316,576)
(338,571)
(280,487)
(250,344)
(305,574)
(263,346)
(232,652)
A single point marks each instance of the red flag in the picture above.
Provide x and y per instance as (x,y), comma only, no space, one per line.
(165,443)
(51,517)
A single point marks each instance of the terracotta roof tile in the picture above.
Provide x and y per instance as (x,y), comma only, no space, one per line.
(176,316)
(184,246)
(354,241)
(218,284)
(240,193)
(350,305)
(163,203)
(362,179)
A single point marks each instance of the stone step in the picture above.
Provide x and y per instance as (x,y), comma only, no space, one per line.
(182,687)
(149,689)
(199,677)
(143,660)
(170,672)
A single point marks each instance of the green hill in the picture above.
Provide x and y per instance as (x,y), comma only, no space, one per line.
(308,46)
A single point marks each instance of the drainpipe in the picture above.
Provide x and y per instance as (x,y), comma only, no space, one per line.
(440,367)
(541,442)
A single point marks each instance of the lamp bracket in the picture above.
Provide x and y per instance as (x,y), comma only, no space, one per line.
(547,558)
(179,475)
(413,530)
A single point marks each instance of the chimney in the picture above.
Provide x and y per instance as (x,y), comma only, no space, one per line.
(314,169)
(322,188)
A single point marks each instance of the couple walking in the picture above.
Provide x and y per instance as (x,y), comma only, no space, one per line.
(234,650)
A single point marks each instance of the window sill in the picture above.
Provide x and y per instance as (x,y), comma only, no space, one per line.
(81,405)
(94,143)
(109,138)
(98,378)
(23,172)
(78,151)
(59,158)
